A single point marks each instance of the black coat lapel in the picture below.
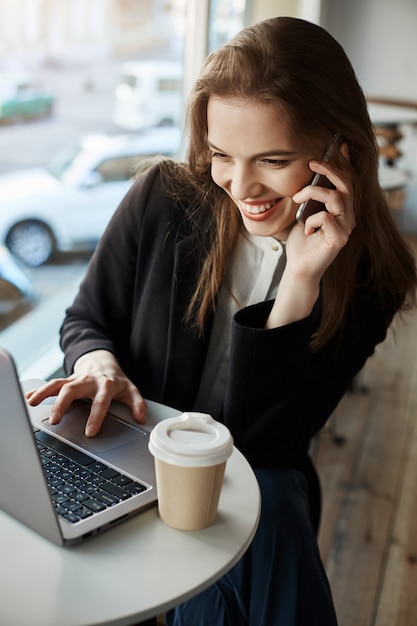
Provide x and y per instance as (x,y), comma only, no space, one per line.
(185,351)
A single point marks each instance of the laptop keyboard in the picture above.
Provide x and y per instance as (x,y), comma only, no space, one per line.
(81,486)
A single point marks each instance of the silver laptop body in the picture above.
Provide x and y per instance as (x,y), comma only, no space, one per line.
(121,444)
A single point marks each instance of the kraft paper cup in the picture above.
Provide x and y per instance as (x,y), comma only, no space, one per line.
(190,453)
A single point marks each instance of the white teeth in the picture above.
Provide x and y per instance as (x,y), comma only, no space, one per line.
(258,208)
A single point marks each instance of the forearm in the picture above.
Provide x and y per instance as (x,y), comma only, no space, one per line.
(294,301)
(80,338)
(263,400)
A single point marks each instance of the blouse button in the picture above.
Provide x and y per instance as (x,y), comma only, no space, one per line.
(275,247)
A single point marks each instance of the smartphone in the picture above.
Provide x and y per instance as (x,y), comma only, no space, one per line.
(314,206)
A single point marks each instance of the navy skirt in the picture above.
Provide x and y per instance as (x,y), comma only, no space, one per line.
(280,580)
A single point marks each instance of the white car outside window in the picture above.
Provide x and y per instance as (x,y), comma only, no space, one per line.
(149,94)
(68,205)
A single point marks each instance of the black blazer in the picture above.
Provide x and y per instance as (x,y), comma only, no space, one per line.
(133,300)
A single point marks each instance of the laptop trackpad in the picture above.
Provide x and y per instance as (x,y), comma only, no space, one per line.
(113,433)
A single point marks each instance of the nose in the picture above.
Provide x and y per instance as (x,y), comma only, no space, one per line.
(245,182)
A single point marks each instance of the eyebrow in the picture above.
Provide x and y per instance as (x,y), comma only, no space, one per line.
(276,152)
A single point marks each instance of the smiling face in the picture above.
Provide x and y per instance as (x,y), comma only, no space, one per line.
(258,163)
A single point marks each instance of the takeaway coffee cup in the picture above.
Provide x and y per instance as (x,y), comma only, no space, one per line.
(190,453)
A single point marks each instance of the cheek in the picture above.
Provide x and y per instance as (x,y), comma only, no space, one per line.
(217,174)
(298,180)
(288,181)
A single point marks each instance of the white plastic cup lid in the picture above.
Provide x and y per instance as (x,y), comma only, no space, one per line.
(191,440)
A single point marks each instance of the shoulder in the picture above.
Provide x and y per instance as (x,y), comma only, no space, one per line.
(169,182)
(150,202)
(153,183)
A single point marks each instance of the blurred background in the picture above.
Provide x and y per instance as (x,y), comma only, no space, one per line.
(89,87)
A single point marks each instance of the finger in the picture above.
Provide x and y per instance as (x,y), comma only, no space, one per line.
(70,389)
(101,405)
(343,214)
(99,409)
(320,167)
(138,407)
(330,198)
(131,396)
(66,395)
(334,230)
(52,388)
(337,202)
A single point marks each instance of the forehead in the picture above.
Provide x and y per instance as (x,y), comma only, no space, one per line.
(239,121)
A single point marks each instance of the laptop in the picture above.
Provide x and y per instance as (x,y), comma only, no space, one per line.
(62,484)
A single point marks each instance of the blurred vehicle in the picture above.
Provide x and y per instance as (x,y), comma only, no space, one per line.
(149,94)
(67,206)
(17,294)
(22,98)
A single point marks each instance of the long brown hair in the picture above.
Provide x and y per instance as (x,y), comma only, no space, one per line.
(302,69)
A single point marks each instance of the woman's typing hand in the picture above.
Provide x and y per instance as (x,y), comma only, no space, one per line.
(99,377)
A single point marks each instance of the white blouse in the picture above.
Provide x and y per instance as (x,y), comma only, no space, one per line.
(254,272)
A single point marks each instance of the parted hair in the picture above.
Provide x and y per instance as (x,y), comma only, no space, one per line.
(299,67)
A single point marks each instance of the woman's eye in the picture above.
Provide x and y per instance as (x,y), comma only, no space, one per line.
(218,155)
(275,162)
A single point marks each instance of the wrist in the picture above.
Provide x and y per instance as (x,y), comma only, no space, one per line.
(101,360)
(294,301)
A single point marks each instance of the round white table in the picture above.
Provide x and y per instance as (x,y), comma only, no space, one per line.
(137,570)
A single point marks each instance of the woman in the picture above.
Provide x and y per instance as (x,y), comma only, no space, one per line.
(205,293)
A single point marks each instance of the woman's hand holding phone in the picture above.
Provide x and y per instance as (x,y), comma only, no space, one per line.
(311,206)
(312,246)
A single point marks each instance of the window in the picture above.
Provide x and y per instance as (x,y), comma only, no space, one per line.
(78,59)
(169,84)
(227,17)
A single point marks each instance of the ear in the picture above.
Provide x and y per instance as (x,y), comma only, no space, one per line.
(344,151)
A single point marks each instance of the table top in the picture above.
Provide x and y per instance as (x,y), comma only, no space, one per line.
(138,569)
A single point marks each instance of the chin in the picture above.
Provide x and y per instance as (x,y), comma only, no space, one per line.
(262,229)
